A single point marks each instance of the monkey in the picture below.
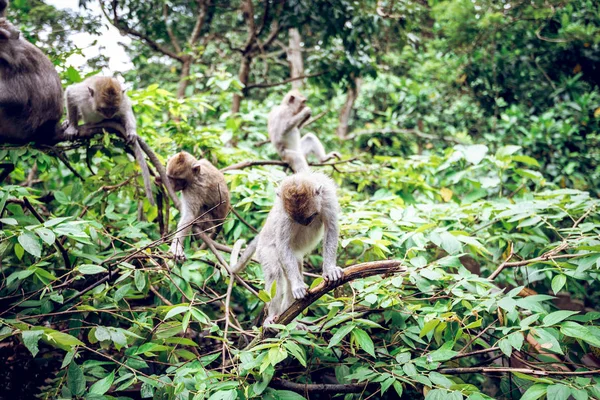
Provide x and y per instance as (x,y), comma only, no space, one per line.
(283,125)
(305,211)
(31,94)
(97,99)
(101,98)
(204,197)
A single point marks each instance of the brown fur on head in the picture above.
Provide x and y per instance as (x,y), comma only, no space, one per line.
(294,100)
(108,96)
(181,169)
(300,200)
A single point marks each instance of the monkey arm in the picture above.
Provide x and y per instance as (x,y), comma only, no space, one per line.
(296,120)
(128,119)
(183,229)
(330,241)
(72,111)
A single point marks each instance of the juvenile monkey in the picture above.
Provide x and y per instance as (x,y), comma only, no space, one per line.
(203,193)
(284,124)
(97,99)
(30,89)
(305,210)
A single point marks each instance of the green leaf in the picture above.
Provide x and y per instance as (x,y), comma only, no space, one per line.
(429,326)
(288,395)
(63,340)
(450,243)
(30,244)
(90,269)
(558,282)
(31,339)
(506,151)
(573,329)
(140,280)
(340,334)
(75,380)
(535,392)
(558,316)
(516,340)
(398,387)
(264,296)
(558,392)
(46,235)
(103,385)
(297,352)
(505,346)
(364,341)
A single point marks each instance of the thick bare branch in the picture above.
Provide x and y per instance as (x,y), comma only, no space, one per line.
(406,132)
(272,84)
(315,388)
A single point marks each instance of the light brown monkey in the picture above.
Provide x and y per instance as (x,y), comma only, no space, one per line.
(30,89)
(204,194)
(101,98)
(305,210)
(284,124)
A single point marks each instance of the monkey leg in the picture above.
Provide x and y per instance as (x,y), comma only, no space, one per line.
(310,144)
(7,168)
(296,160)
(278,304)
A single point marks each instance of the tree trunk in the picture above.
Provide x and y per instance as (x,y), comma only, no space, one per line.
(184,77)
(294,56)
(351,95)
(243,77)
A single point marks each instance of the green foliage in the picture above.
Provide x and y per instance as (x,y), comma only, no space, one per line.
(496,221)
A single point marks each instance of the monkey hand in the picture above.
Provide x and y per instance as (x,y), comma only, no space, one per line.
(333,273)
(71,131)
(300,292)
(333,154)
(131,137)
(177,251)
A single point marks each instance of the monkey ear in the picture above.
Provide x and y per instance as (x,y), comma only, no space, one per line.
(318,190)
(292,98)
(196,167)
(91,91)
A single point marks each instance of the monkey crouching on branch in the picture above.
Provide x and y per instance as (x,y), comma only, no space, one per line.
(204,197)
(30,89)
(305,210)
(98,99)
(284,124)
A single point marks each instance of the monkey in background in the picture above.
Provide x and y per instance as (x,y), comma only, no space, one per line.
(97,99)
(284,123)
(305,210)
(31,94)
(203,192)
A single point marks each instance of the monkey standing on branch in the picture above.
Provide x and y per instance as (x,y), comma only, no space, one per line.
(30,89)
(305,210)
(284,124)
(203,193)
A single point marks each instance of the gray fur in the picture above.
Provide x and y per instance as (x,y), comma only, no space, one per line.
(81,105)
(284,123)
(30,89)
(283,243)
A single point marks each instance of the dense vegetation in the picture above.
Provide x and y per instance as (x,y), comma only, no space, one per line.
(471,155)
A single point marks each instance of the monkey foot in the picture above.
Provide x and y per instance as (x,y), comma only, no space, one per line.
(271,319)
(178,253)
(71,132)
(333,274)
(300,292)
(301,327)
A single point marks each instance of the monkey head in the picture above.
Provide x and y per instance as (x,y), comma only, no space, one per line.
(107,95)
(182,169)
(294,101)
(301,199)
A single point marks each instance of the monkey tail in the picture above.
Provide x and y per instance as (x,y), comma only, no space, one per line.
(139,156)
(238,266)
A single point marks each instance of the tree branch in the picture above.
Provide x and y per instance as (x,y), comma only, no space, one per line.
(358,271)
(314,388)
(528,371)
(272,84)
(202,5)
(172,36)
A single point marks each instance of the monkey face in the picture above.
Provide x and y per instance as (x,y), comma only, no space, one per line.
(108,111)
(177,183)
(305,220)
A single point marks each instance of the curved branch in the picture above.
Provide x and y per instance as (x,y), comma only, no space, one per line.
(301,388)
(246,164)
(272,84)
(353,272)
